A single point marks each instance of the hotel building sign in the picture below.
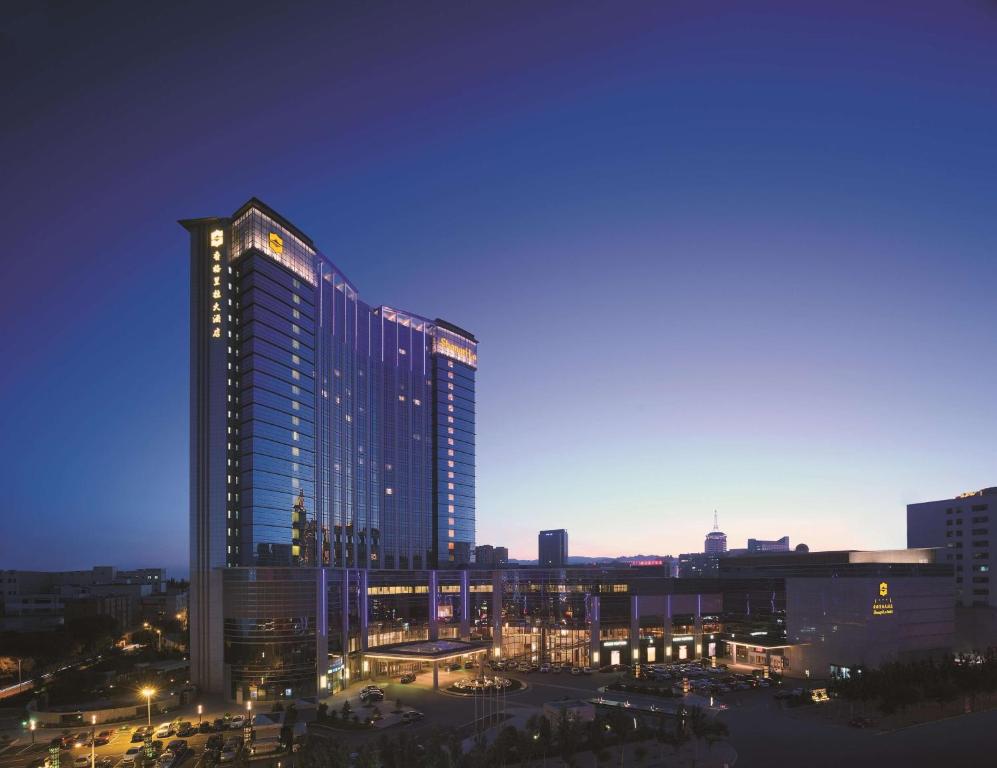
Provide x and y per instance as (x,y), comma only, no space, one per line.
(883,604)
(216,241)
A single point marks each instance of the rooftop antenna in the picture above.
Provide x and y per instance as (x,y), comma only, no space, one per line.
(716,525)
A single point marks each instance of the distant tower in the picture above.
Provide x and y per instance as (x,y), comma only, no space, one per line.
(716,540)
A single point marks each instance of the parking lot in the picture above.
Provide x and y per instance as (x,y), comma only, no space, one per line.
(117,745)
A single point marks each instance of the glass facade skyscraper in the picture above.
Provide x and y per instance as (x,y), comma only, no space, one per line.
(325,432)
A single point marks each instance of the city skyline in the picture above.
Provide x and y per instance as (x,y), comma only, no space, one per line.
(715,261)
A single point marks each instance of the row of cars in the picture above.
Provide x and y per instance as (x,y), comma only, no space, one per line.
(702,679)
(527,667)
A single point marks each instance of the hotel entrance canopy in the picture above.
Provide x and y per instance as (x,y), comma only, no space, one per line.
(425,650)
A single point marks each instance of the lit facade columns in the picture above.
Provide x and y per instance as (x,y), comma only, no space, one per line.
(697,631)
(594,631)
(344,598)
(497,591)
(634,629)
(322,681)
(363,608)
(465,607)
(434,597)
(667,631)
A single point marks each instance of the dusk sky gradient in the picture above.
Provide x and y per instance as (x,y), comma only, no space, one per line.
(732,256)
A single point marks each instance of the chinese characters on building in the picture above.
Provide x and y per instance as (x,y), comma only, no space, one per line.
(217,240)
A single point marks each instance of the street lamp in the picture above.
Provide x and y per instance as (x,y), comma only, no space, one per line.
(249,722)
(200,710)
(148,693)
(31,727)
(93,741)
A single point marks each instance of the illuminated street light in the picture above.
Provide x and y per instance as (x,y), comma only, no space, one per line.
(93,741)
(148,693)
(200,710)
(32,727)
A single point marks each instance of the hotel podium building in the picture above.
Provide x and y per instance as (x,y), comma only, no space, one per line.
(326,434)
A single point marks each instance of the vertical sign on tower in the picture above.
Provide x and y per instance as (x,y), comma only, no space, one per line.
(217,240)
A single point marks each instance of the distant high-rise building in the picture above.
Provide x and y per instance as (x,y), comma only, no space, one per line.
(960,529)
(761,545)
(487,556)
(716,540)
(553,548)
(484,556)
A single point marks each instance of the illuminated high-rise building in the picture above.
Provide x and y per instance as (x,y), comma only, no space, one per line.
(716,540)
(325,432)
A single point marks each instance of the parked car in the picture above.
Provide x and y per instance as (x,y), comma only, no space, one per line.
(129,757)
(411,716)
(237,721)
(105,735)
(586,670)
(215,741)
(82,739)
(105,762)
(557,668)
(454,667)
(408,677)
(576,670)
(545,668)
(206,726)
(219,724)
(469,665)
(165,731)
(186,729)
(177,745)
(82,761)
(371,696)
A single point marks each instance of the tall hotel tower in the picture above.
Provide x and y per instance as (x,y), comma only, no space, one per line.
(326,434)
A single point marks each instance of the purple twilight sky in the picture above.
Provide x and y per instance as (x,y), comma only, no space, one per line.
(718,255)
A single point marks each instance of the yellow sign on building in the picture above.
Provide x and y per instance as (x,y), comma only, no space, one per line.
(276,243)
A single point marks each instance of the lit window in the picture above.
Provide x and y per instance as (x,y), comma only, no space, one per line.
(295,359)
(416,401)
(294,436)
(451,533)
(295,405)
(449,486)
(295,375)
(389,491)
(450,497)
(295,451)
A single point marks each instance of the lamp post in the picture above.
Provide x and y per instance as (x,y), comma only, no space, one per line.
(148,693)
(93,741)
(31,727)
(200,711)
(249,722)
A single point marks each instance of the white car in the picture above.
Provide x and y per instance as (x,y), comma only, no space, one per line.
(237,721)
(130,755)
(165,731)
